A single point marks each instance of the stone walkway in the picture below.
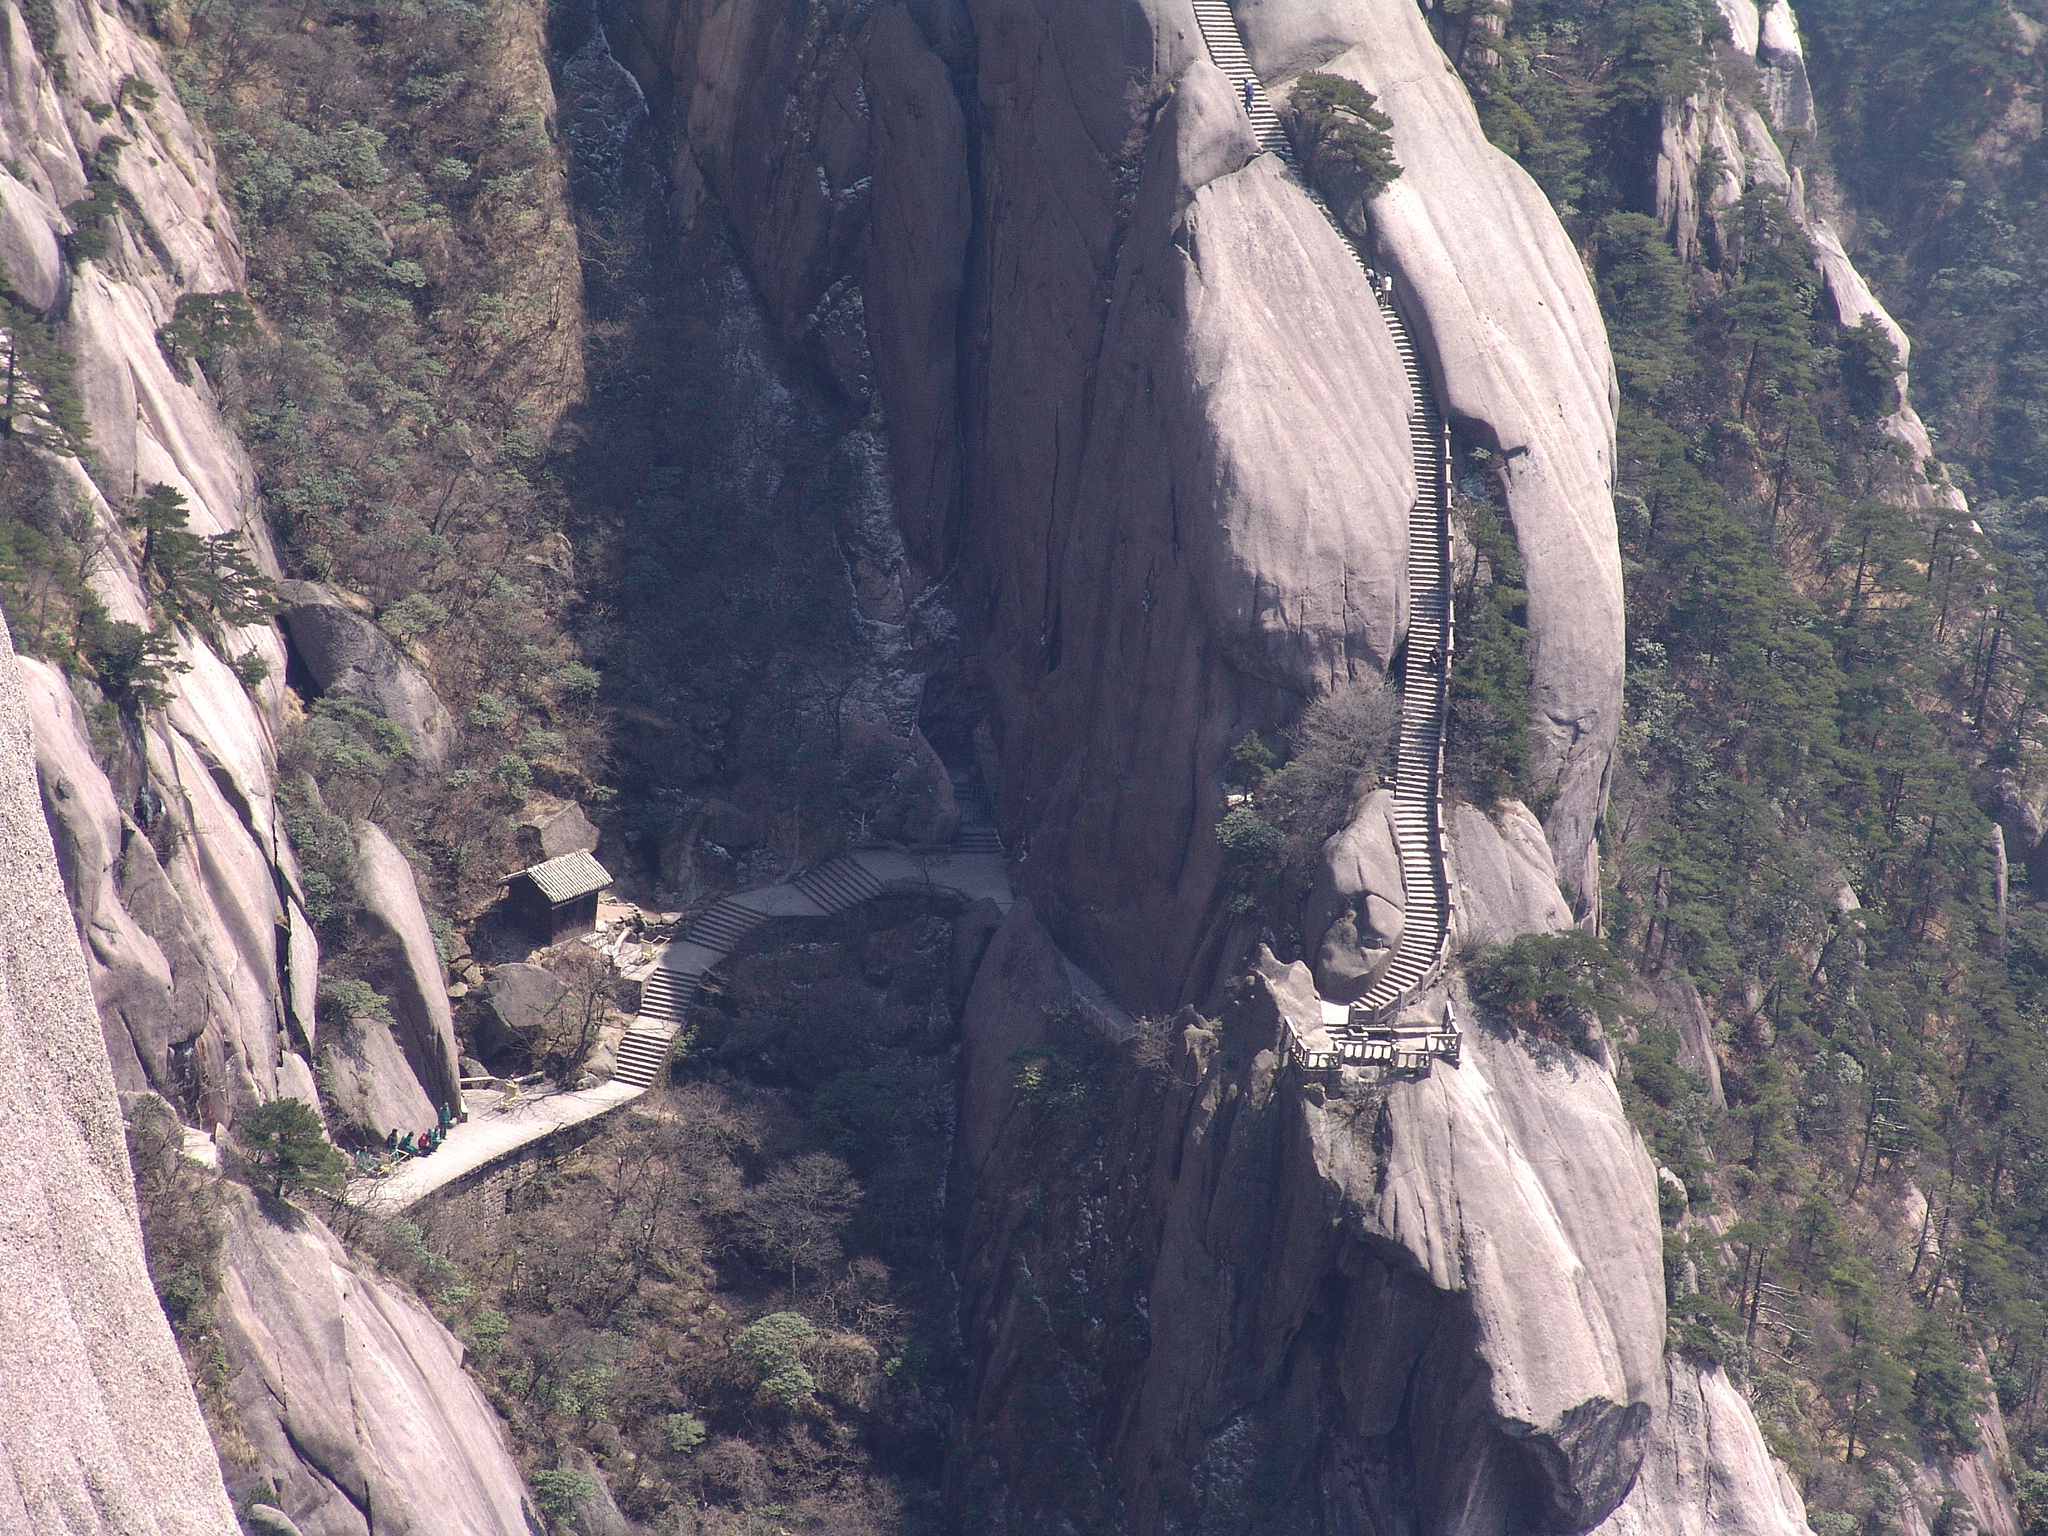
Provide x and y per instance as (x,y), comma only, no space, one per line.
(974,869)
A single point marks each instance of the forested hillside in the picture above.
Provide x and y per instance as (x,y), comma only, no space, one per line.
(1832,675)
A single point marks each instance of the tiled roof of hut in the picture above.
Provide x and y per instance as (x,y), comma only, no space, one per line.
(572,875)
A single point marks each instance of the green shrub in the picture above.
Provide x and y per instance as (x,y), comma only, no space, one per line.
(773,1348)
(1346,143)
(205,328)
(685,1432)
(1552,985)
(288,1146)
(559,1490)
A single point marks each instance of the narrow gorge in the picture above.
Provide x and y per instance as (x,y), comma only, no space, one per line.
(1175,767)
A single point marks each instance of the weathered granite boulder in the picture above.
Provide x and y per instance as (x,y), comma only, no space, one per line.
(550,831)
(410,973)
(1502,880)
(1355,910)
(371,1087)
(99,1432)
(522,996)
(348,656)
(363,1420)
(518,999)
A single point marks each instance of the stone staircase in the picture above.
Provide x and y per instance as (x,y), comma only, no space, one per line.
(1425,673)
(1425,687)
(838,884)
(723,924)
(1226,51)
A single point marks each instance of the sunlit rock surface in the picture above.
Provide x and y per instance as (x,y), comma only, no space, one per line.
(99,1432)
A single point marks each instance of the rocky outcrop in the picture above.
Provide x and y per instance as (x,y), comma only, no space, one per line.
(1501,303)
(1179,507)
(1708,1471)
(183,885)
(353,1396)
(182,896)
(549,831)
(410,964)
(99,1432)
(347,656)
(1752,148)
(1436,1301)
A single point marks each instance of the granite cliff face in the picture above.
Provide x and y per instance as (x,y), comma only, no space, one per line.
(175,954)
(99,1431)
(1143,410)
(1435,1304)
(353,1395)
(168,833)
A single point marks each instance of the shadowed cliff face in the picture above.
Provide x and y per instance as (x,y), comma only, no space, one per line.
(1221,1304)
(1141,408)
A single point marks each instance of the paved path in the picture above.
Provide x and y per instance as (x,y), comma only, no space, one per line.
(974,869)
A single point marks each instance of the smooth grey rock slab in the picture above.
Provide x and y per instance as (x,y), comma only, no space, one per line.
(349,657)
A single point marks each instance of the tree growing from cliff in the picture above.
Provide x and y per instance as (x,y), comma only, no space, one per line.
(196,577)
(1346,143)
(39,401)
(288,1148)
(1553,985)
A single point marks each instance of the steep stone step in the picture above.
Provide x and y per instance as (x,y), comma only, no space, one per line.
(840,884)
(668,994)
(723,924)
(640,1058)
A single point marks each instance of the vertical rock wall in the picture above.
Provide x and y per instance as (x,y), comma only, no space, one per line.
(1157,425)
(167,828)
(167,833)
(99,1431)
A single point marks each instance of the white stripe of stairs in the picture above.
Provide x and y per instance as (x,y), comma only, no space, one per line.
(1425,672)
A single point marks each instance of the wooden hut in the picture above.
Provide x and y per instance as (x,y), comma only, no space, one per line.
(557,898)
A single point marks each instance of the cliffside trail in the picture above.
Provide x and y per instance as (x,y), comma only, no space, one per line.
(1426,663)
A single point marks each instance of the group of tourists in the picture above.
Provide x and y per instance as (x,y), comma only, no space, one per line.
(398,1147)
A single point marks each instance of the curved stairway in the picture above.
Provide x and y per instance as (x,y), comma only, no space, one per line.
(1426,668)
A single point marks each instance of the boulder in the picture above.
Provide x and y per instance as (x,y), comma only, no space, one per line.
(99,1432)
(1355,907)
(371,1087)
(349,657)
(352,1395)
(411,975)
(556,830)
(519,998)
(728,826)
(1502,880)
